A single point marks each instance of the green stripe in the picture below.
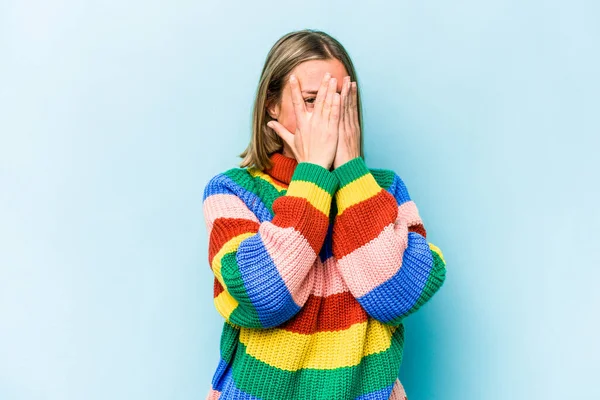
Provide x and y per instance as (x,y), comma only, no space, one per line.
(384,177)
(316,174)
(229,340)
(244,314)
(375,372)
(242,177)
(268,193)
(351,170)
(263,189)
(435,280)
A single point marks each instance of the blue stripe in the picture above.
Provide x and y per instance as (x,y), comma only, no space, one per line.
(399,190)
(217,379)
(264,286)
(222,184)
(381,394)
(327,248)
(400,293)
(230,391)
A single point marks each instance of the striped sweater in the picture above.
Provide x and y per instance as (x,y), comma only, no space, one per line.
(314,272)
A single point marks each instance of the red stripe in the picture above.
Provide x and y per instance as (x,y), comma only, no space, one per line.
(225,229)
(304,217)
(218,288)
(363,222)
(418,228)
(332,313)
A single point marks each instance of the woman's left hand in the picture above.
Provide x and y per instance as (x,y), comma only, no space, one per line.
(349,128)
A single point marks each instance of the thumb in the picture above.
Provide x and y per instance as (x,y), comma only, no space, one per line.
(282,132)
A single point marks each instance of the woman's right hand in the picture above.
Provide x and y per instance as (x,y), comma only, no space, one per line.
(316,136)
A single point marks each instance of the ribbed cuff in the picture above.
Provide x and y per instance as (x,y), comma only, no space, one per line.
(356,183)
(351,170)
(314,183)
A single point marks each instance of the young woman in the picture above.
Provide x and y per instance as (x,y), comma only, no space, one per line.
(317,259)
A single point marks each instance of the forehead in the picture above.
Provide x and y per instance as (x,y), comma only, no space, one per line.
(310,73)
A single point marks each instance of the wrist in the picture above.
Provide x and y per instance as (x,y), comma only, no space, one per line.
(344,160)
(320,163)
(356,183)
(343,156)
(351,169)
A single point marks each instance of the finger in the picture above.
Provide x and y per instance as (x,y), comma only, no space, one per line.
(354,103)
(329,98)
(344,120)
(348,94)
(334,118)
(297,100)
(321,93)
(283,133)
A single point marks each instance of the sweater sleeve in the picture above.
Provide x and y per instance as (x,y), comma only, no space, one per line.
(380,243)
(261,270)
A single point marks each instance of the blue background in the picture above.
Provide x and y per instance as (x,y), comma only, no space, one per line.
(113,116)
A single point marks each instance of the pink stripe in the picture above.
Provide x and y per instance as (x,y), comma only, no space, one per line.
(328,280)
(408,213)
(398,392)
(293,257)
(214,395)
(225,206)
(377,261)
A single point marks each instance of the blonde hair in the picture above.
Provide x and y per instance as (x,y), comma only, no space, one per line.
(288,52)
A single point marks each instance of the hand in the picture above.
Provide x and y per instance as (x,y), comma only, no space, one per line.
(349,129)
(316,136)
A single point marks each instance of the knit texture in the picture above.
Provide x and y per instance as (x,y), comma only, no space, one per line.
(314,272)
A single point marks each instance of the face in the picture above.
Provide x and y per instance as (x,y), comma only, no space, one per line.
(310,74)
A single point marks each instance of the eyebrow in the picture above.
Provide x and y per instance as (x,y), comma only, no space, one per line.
(315,91)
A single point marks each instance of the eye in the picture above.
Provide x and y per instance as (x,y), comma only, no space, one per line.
(310,98)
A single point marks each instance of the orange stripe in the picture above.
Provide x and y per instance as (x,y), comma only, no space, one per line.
(418,228)
(217,288)
(332,313)
(304,217)
(351,231)
(225,229)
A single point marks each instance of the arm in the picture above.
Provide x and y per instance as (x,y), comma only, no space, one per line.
(261,269)
(381,247)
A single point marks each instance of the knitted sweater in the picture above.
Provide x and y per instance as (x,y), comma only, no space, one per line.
(314,272)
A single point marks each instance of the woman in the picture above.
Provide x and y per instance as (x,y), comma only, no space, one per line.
(317,259)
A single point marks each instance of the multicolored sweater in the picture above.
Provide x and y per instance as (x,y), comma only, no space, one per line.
(314,273)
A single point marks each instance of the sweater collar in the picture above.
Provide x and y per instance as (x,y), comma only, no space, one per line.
(282,168)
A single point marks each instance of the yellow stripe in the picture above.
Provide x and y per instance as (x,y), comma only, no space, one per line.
(437,250)
(225,304)
(292,351)
(317,196)
(254,172)
(356,191)
(228,247)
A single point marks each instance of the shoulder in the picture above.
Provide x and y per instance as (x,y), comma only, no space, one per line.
(391,181)
(231,181)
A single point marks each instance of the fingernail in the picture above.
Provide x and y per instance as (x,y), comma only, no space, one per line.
(292,77)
